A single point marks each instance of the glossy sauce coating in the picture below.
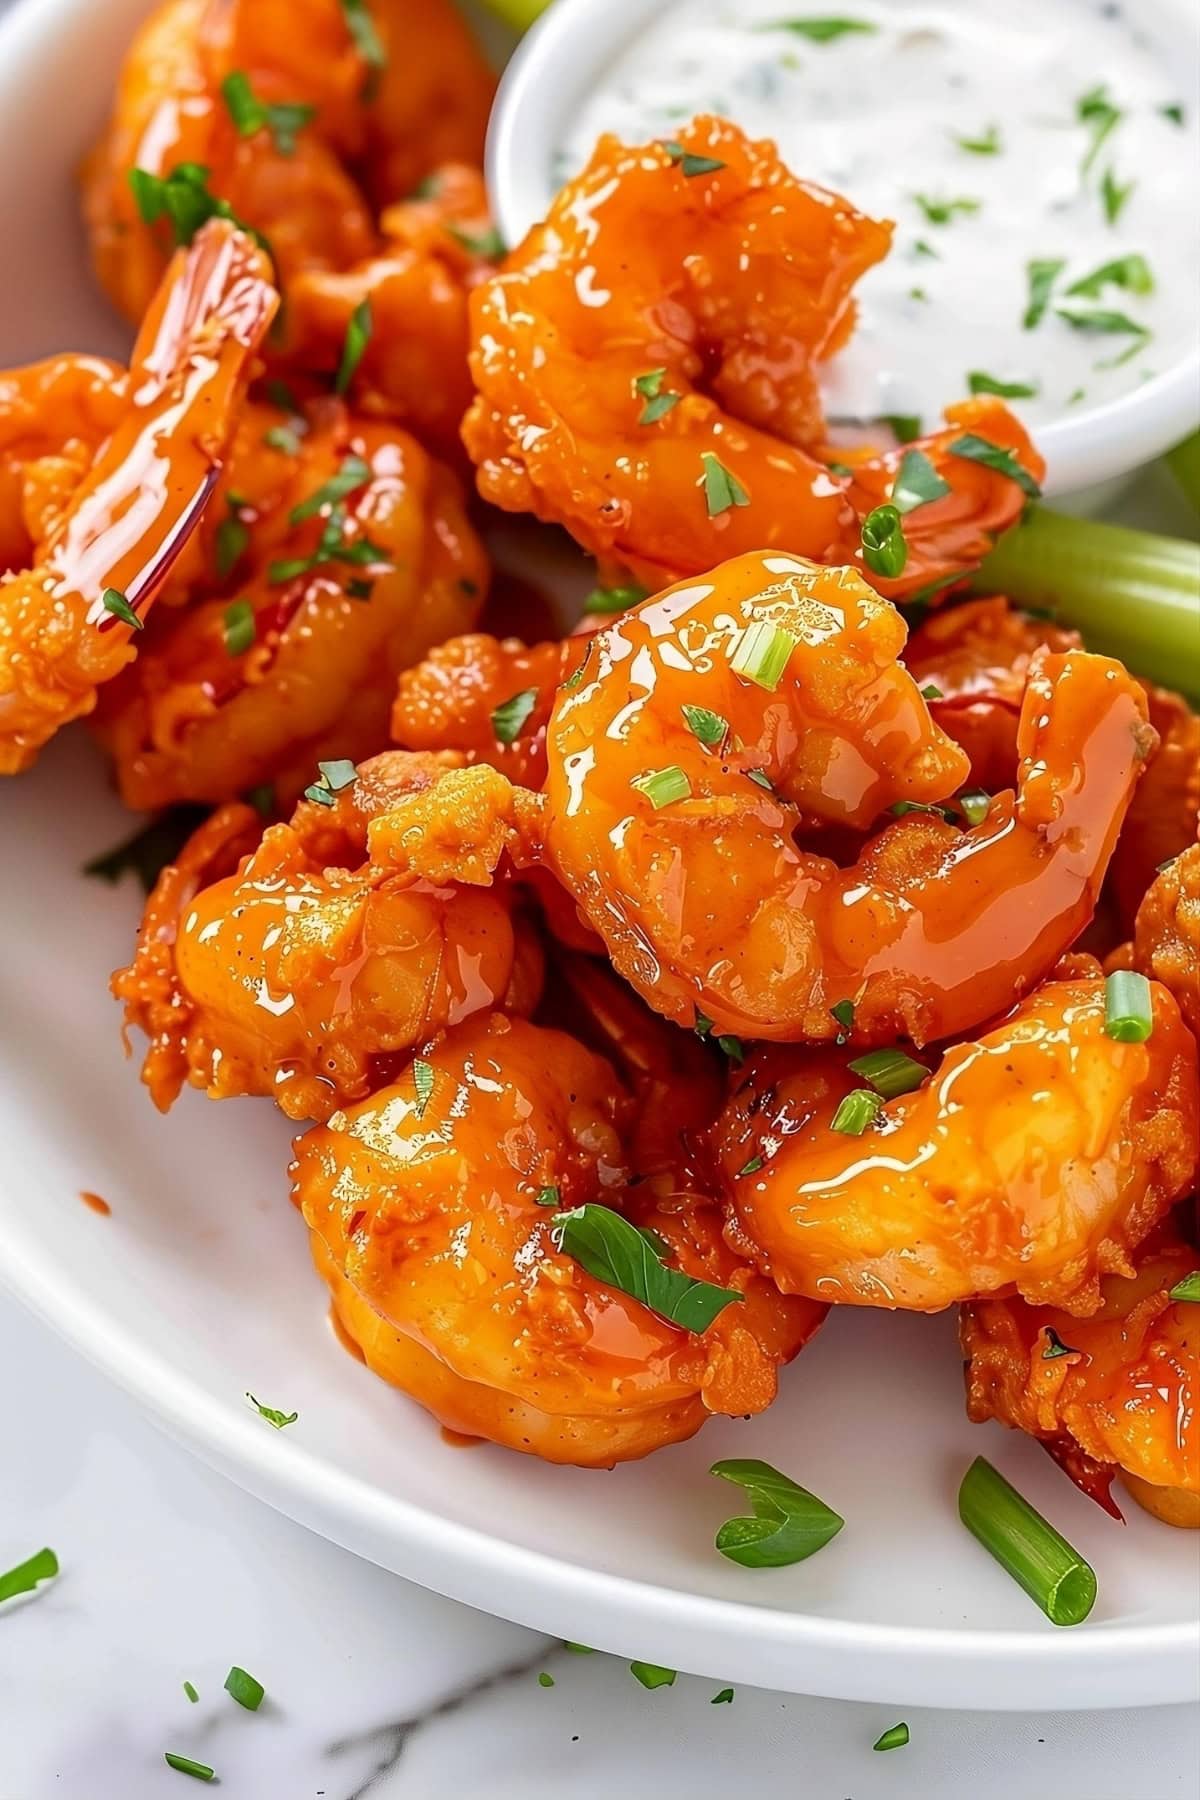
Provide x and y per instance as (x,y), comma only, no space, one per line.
(727,287)
(302,972)
(1128,1389)
(1036,1157)
(444,1267)
(147,486)
(204,717)
(375,131)
(708,905)
(54,416)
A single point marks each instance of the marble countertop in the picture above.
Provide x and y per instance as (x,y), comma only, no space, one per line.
(375,1688)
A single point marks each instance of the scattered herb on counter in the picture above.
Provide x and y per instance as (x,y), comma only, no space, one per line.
(191,1693)
(724,1698)
(26,1576)
(617,1253)
(271,1413)
(788,1523)
(894,1738)
(545,1679)
(187,1766)
(652,1675)
(244,1689)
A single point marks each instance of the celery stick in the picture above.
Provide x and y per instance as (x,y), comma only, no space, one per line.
(1132,594)
(520,14)
(1184,464)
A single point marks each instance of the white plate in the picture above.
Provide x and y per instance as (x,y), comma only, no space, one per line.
(198,1287)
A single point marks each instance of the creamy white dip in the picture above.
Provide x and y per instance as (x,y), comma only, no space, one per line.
(997,134)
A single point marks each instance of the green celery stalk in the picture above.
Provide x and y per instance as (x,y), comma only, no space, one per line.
(1184,464)
(1133,594)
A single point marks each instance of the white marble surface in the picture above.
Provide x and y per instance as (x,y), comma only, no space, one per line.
(375,1688)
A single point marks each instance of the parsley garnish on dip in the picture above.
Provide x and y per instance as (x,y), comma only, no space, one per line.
(1020,147)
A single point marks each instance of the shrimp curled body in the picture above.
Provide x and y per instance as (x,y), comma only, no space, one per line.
(423,1203)
(676,833)
(1036,1158)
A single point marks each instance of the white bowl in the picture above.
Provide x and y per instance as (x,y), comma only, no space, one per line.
(198,1286)
(558,63)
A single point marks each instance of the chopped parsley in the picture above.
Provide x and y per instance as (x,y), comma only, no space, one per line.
(709,727)
(614,599)
(722,489)
(689,163)
(943,212)
(545,1679)
(422,1073)
(652,1675)
(972,448)
(182,197)
(271,1413)
(821,31)
(1042,273)
(233,536)
(1129,272)
(616,1252)
(1097,112)
(842,1013)
(335,776)
(986,144)
(114,602)
(894,1738)
(659,401)
(486,244)
(980,382)
(1055,1346)
(1187,1289)
(917,482)
(548,1196)
(511,715)
(353,473)
(1113,195)
(358,336)
(239,627)
(724,1698)
(333,546)
(191,1693)
(187,1766)
(249,114)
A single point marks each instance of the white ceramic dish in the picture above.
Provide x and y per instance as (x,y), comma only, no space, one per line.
(198,1287)
(576,39)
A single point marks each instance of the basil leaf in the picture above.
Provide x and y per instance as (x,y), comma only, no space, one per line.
(789,1523)
(617,1253)
(992,456)
(917,482)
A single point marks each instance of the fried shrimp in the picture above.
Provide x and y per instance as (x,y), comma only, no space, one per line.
(1165,816)
(1035,1158)
(331,115)
(1166,942)
(54,416)
(647,368)
(714,720)
(307,972)
(1121,1389)
(432,1211)
(353,556)
(489,697)
(978,657)
(114,541)
(435,249)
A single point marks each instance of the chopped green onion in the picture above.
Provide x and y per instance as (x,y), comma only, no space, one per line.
(941,212)
(272,1414)
(186,1766)
(1114,195)
(932,692)
(613,599)
(579,1649)
(731,1046)
(722,489)
(191,1693)
(992,456)
(724,1698)
(1042,272)
(884,548)
(658,401)
(114,602)
(239,627)
(1023,1542)
(1128,1011)
(843,1014)
(1055,1346)
(761,653)
(513,713)
(422,1073)
(917,482)
(904,427)
(182,196)
(244,1689)
(690,164)
(233,535)
(353,473)
(890,1072)
(751,1168)
(976,803)
(709,727)
(358,336)
(24,1578)
(1187,1289)
(761,779)
(548,1196)
(617,1253)
(987,144)
(663,787)
(894,1738)
(1174,113)
(980,382)
(332,547)
(1101,319)
(820,31)
(788,1523)
(545,1679)
(652,1675)
(856,1112)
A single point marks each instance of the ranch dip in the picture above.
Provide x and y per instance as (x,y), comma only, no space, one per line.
(1040,159)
